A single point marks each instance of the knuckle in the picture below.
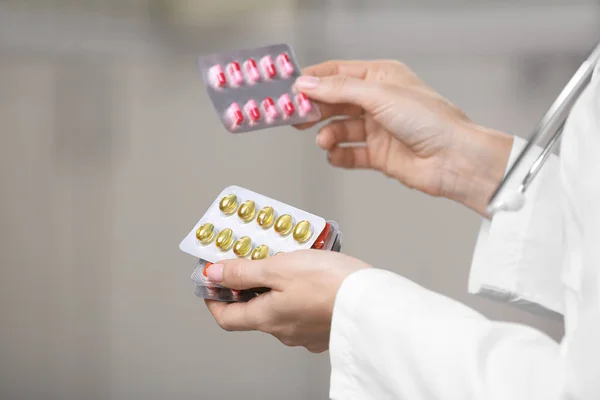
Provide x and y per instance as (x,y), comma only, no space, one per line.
(315,349)
(399,65)
(225,324)
(235,274)
(339,83)
(288,341)
(331,65)
(262,324)
(338,130)
(393,66)
(269,270)
(394,70)
(286,336)
(332,158)
(337,160)
(260,320)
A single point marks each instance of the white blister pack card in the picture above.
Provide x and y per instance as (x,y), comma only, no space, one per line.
(269,237)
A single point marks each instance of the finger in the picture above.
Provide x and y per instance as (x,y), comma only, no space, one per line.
(390,72)
(341,131)
(235,316)
(243,274)
(340,89)
(332,110)
(351,68)
(349,157)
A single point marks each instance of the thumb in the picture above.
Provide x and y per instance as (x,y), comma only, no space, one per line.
(337,89)
(240,274)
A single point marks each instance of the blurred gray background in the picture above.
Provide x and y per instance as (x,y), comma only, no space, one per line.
(110,151)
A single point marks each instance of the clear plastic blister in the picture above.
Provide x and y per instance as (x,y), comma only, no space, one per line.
(251,89)
(242,223)
(330,239)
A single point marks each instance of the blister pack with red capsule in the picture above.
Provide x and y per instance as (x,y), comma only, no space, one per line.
(330,239)
(252,89)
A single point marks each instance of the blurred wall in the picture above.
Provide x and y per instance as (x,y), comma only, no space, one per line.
(110,151)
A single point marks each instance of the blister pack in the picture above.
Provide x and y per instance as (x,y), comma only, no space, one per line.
(252,89)
(242,223)
(330,239)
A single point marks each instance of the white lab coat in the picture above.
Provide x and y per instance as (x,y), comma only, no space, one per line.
(392,339)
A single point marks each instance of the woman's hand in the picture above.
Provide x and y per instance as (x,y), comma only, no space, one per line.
(408,131)
(298,309)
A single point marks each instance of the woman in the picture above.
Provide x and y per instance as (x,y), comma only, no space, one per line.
(387,336)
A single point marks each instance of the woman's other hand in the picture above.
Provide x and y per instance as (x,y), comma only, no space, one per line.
(404,129)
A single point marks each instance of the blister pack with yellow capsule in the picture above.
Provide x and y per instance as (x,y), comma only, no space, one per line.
(330,239)
(242,223)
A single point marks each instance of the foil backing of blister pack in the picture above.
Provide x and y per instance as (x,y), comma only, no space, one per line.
(251,89)
(224,294)
(208,290)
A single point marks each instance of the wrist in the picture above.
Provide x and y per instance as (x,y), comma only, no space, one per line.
(475,165)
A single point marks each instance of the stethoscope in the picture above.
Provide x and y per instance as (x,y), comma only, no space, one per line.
(507,197)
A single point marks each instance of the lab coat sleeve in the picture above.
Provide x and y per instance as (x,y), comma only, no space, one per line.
(580,174)
(519,255)
(392,339)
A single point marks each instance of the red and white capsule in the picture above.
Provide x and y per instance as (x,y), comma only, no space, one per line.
(268,67)
(268,105)
(286,105)
(217,76)
(235,115)
(304,104)
(252,71)
(235,73)
(286,67)
(252,111)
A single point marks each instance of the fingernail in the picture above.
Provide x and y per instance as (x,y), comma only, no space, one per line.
(307,82)
(215,272)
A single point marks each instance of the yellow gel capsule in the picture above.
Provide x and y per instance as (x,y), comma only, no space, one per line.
(266,217)
(284,224)
(228,204)
(247,211)
(302,232)
(260,253)
(243,246)
(205,233)
(225,239)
